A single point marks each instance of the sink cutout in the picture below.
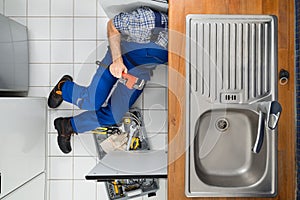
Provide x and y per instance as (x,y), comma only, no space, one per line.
(224,158)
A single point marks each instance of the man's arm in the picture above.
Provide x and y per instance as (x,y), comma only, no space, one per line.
(114,38)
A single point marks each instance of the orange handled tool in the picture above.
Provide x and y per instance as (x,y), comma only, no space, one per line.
(127,79)
(131,81)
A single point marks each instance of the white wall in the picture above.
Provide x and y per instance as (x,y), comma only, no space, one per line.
(66,37)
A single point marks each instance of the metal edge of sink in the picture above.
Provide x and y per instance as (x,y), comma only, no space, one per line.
(267,185)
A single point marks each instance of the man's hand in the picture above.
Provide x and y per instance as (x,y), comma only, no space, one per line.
(116,68)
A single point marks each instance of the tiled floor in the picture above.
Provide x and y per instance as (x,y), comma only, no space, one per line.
(67,37)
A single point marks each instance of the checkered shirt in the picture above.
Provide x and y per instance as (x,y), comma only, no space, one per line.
(136,26)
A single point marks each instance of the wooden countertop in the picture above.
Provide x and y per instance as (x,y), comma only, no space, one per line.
(178,9)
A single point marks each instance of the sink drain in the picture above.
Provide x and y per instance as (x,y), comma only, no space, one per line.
(222,124)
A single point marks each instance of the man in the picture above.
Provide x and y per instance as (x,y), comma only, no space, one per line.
(138,42)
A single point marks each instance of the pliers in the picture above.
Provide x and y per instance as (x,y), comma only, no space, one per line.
(106,130)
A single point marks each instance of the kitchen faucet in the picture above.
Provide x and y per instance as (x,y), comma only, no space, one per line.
(269,113)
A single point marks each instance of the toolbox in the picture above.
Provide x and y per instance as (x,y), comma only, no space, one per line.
(133,171)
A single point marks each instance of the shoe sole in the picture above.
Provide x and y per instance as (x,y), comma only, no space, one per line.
(56,104)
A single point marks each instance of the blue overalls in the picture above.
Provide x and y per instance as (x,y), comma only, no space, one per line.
(140,60)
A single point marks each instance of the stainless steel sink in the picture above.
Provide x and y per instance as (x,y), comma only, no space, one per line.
(231,109)
(222,148)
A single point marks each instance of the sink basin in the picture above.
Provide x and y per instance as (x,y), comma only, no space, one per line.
(222,148)
(231,70)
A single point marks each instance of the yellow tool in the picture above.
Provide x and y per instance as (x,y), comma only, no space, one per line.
(116,187)
(135,143)
(100,130)
(106,130)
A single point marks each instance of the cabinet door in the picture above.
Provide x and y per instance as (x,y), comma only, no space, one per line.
(33,190)
(22,141)
(126,164)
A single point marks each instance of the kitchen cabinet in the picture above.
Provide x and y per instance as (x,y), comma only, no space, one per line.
(22,143)
(33,190)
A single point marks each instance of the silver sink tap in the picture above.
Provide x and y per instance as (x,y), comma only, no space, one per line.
(269,113)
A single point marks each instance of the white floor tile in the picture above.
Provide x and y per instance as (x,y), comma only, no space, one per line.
(38,28)
(38,7)
(85,8)
(61,51)
(61,190)
(61,168)
(61,28)
(101,49)
(15,8)
(85,52)
(83,73)
(39,75)
(84,28)
(100,11)
(102,28)
(59,70)
(84,145)
(82,166)
(39,52)
(62,7)
(85,190)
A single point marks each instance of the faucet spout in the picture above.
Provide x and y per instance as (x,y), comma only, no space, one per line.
(269,113)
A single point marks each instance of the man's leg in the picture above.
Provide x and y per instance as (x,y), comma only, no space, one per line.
(121,100)
(93,96)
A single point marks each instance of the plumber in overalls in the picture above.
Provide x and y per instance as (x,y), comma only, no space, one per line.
(138,42)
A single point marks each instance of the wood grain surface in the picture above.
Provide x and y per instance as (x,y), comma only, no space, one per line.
(178,9)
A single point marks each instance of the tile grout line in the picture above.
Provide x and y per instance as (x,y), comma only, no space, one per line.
(97,28)
(50,45)
(49,116)
(73,73)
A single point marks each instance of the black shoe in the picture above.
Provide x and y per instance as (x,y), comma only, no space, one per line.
(65,130)
(55,96)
